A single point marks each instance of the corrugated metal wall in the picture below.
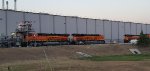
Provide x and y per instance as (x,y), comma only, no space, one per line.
(13,18)
(115,31)
(148,29)
(45,23)
(82,27)
(133,28)
(139,29)
(121,31)
(100,27)
(144,28)
(127,28)
(2,22)
(91,26)
(60,24)
(71,25)
(35,21)
(107,31)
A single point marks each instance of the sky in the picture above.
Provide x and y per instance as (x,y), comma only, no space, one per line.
(137,11)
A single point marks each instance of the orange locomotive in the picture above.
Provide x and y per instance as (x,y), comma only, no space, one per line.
(43,37)
(27,36)
(87,38)
(128,38)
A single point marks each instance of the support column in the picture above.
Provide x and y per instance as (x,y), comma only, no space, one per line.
(23,16)
(65,25)
(130,29)
(86,27)
(103,27)
(136,30)
(146,29)
(6,16)
(124,28)
(77,25)
(40,22)
(111,30)
(95,27)
(118,30)
(54,24)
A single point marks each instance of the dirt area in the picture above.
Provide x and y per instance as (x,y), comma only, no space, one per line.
(64,58)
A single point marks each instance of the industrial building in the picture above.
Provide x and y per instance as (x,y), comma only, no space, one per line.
(47,23)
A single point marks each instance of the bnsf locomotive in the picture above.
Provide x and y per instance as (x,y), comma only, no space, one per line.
(128,38)
(25,36)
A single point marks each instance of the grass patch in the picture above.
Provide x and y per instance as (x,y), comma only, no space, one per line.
(140,57)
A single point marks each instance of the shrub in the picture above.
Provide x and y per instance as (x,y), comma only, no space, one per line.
(143,40)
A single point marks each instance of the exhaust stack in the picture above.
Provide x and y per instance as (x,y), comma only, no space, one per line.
(15,5)
(7,4)
(3,4)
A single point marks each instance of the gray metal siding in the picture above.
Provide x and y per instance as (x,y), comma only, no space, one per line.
(121,32)
(13,19)
(46,24)
(99,27)
(34,19)
(107,31)
(91,26)
(127,28)
(148,29)
(144,28)
(133,28)
(81,26)
(60,24)
(115,31)
(2,22)
(139,29)
(71,25)
(51,23)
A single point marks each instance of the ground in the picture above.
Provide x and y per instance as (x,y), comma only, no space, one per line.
(64,58)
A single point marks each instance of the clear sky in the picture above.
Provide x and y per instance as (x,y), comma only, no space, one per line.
(118,10)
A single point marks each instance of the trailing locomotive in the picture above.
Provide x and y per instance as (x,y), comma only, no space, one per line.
(26,36)
(41,38)
(128,38)
(87,39)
